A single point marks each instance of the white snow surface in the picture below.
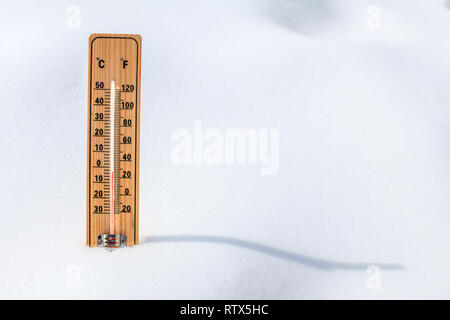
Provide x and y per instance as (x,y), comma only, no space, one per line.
(364,120)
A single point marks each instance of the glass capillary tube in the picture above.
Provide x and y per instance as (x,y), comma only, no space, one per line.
(113,157)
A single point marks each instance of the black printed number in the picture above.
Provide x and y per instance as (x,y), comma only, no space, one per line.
(127,104)
(126,174)
(98,194)
(126,140)
(128,87)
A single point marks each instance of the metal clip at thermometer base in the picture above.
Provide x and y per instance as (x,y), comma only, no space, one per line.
(112,241)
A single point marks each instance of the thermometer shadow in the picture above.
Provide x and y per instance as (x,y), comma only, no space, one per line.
(309,261)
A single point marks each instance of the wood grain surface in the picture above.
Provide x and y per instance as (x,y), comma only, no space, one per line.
(113,57)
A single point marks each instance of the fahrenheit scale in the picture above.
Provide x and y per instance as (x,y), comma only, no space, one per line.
(113,140)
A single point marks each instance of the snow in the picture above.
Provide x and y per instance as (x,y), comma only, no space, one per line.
(363,116)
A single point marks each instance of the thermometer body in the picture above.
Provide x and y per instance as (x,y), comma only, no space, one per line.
(113,140)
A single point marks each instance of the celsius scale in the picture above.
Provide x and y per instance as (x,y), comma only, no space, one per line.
(113,140)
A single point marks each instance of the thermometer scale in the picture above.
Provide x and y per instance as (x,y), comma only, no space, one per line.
(113,140)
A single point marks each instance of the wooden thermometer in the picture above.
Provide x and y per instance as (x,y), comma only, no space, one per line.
(113,140)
